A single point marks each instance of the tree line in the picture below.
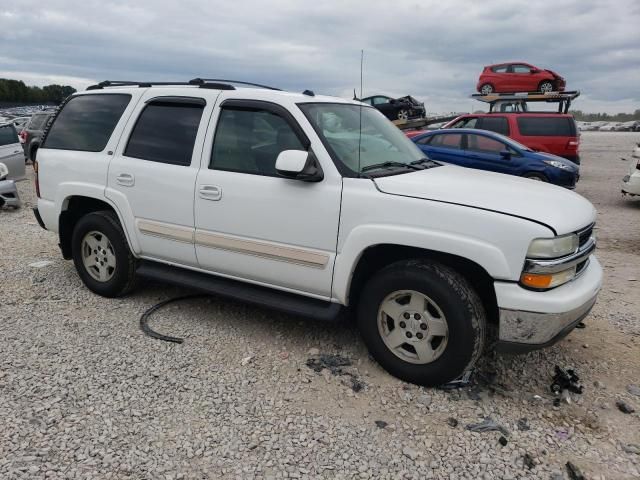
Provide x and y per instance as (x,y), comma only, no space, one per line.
(17,91)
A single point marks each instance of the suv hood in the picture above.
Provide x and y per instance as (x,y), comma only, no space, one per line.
(556,207)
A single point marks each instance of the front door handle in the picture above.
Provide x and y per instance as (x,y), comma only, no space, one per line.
(126,180)
(210,192)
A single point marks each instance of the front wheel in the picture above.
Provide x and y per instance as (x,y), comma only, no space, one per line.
(422,322)
(546,86)
(101,255)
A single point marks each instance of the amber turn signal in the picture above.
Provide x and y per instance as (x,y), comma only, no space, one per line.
(533,280)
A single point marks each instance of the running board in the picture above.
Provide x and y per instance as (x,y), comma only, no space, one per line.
(246,292)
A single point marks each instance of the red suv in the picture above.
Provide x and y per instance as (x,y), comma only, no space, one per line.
(518,77)
(554,133)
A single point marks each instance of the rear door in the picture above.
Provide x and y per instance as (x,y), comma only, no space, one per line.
(556,134)
(153,172)
(11,153)
(445,147)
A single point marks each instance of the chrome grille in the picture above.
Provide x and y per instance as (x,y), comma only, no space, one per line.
(584,235)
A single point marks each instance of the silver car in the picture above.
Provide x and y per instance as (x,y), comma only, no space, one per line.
(8,191)
(11,152)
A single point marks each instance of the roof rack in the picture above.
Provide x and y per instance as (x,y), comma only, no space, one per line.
(204,81)
(517,101)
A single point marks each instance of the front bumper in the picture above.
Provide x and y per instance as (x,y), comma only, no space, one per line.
(532,320)
(9,194)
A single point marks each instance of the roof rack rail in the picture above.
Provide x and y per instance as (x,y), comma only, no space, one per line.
(205,81)
(518,100)
(127,83)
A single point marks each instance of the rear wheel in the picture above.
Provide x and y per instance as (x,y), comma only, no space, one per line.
(422,322)
(486,89)
(536,176)
(546,86)
(101,255)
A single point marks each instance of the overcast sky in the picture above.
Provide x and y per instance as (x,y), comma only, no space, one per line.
(433,50)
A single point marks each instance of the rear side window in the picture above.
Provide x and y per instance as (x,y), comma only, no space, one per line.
(448,140)
(8,135)
(547,126)
(495,124)
(165,133)
(86,122)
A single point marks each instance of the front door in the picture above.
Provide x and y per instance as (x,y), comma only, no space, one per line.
(253,224)
(485,154)
(152,175)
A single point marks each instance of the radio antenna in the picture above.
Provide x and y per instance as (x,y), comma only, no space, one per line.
(361,65)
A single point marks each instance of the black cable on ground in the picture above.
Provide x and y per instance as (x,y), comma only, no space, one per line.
(144,319)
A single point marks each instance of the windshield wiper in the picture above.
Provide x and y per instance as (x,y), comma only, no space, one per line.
(426,162)
(390,164)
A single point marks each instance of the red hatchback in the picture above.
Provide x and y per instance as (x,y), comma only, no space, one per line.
(518,77)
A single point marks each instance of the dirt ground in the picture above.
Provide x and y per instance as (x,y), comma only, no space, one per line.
(84,394)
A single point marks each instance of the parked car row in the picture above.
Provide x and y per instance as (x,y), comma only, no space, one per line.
(630,126)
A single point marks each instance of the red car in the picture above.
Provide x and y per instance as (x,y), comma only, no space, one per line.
(518,77)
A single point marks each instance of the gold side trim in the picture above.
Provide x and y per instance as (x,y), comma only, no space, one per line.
(261,249)
(165,230)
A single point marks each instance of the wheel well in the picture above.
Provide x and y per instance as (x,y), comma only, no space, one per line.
(76,208)
(377,257)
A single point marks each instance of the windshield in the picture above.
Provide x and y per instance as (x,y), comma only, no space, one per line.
(378,142)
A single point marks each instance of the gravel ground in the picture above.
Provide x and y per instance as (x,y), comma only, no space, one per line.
(84,394)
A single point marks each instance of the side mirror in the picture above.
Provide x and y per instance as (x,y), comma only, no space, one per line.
(534,70)
(506,154)
(299,165)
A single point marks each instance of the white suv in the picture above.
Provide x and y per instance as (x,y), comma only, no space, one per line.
(311,204)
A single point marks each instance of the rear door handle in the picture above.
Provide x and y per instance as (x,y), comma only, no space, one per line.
(126,180)
(210,192)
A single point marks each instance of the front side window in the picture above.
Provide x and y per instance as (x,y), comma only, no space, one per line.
(449,140)
(249,140)
(380,100)
(8,135)
(165,132)
(359,137)
(495,124)
(482,144)
(86,122)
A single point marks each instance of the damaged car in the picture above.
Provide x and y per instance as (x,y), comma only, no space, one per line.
(8,192)
(403,108)
(631,182)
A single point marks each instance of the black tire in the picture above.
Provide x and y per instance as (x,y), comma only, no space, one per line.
(546,86)
(124,273)
(462,308)
(536,176)
(486,89)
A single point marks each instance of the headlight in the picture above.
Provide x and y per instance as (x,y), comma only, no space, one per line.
(553,247)
(557,164)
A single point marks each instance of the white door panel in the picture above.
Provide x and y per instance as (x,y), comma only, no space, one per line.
(268,229)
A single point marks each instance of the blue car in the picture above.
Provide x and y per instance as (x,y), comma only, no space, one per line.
(491,151)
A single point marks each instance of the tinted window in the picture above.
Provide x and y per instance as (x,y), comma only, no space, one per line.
(495,124)
(165,133)
(480,143)
(250,140)
(86,122)
(424,140)
(500,69)
(521,69)
(8,135)
(37,122)
(547,126)
(450,140)
(465,123)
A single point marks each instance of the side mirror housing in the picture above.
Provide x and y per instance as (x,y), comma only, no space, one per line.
(299,165)
(506,154)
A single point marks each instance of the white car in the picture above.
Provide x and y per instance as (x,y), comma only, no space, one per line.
(315,206)
(11,152)
(631,182)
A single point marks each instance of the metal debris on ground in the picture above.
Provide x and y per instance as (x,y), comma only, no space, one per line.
(574,472)
(523,424)
(336,365)
(528,461)
(624,407)
(566,380)
(463,381)
(487,425)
